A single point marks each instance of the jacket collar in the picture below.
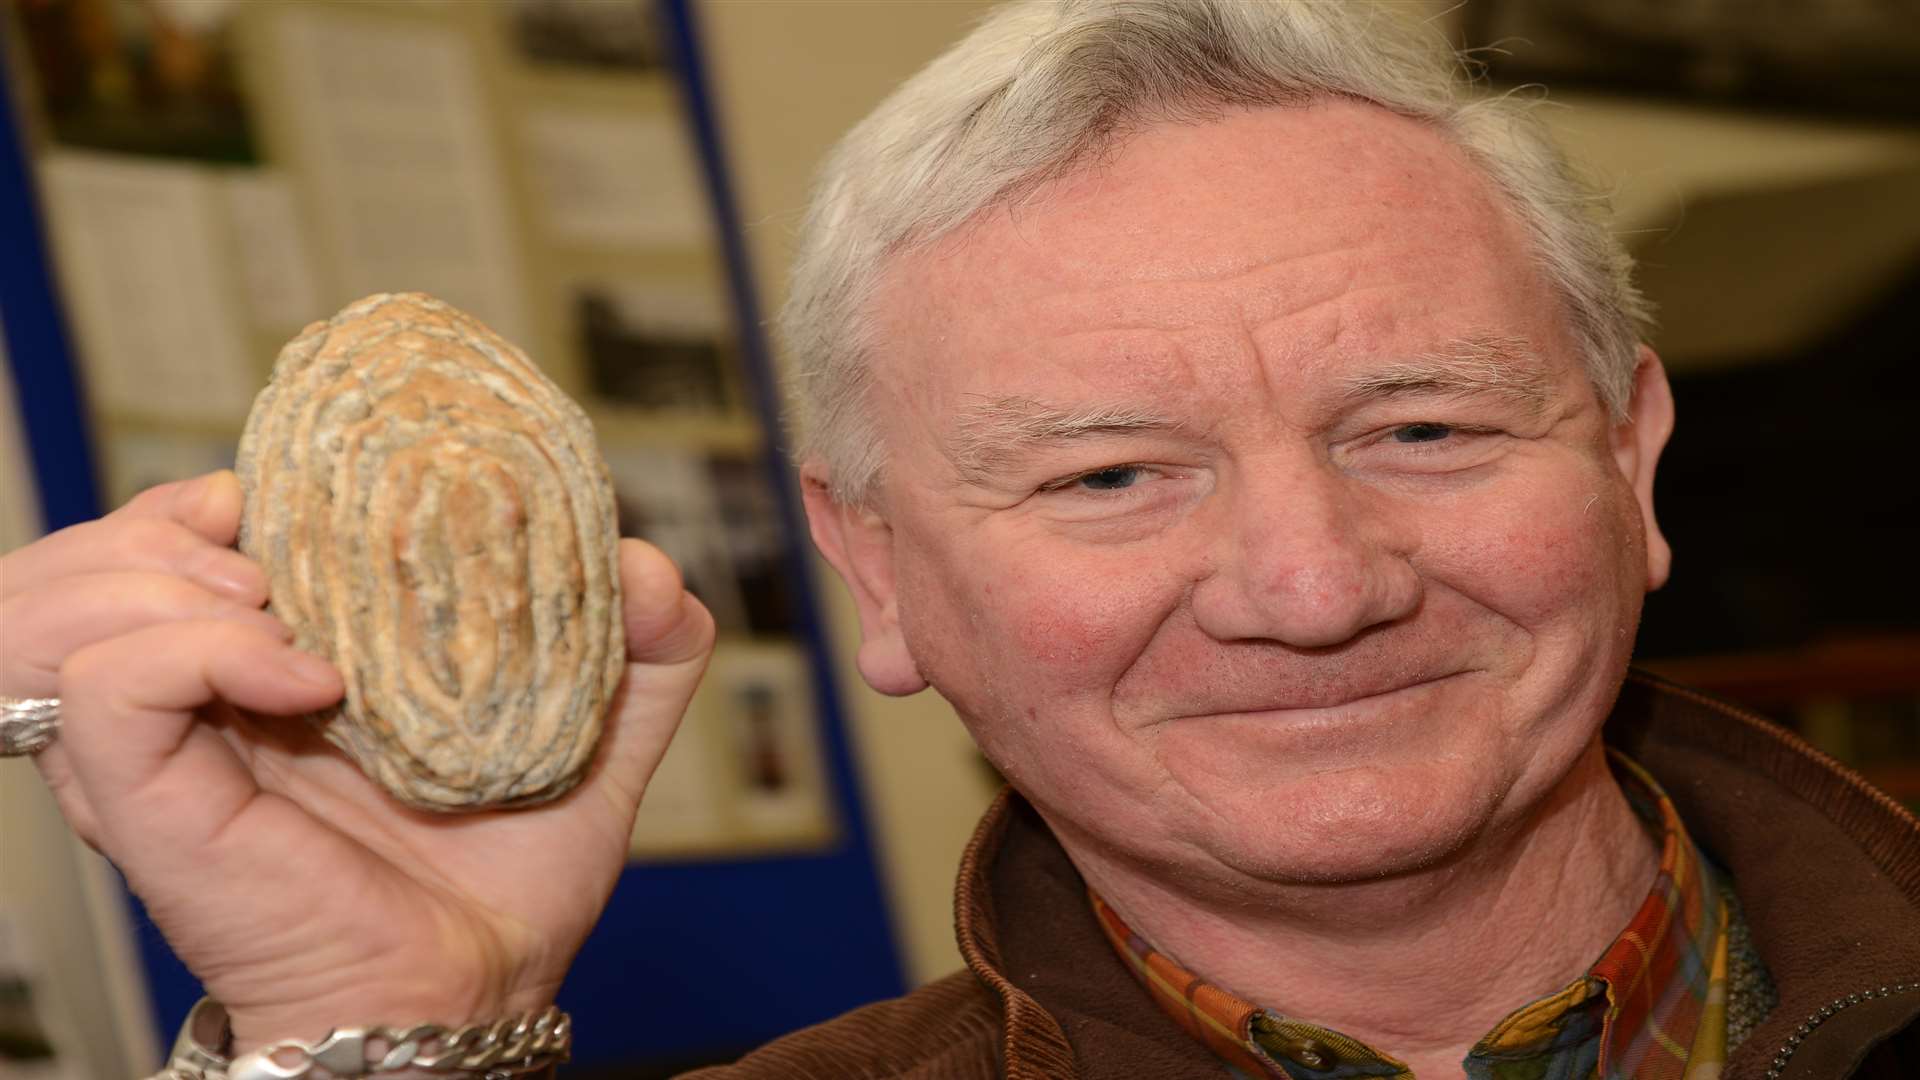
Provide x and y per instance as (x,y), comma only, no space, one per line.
(1815,853)
(1826,866)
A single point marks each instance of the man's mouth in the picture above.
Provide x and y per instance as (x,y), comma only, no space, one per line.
(1319,698)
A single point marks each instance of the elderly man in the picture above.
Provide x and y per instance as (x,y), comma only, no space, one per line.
(1248,434)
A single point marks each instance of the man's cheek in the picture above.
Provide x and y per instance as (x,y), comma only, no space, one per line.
(975,621)
(1080,622)
(1555,559)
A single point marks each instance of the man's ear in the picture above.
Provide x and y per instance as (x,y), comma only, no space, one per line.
(858,543)
(1637,442)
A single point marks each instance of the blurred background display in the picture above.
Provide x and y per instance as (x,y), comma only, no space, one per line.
(657,348)
(1762,160)
(1834,55)
(155,77)
(615,184)
(594,33)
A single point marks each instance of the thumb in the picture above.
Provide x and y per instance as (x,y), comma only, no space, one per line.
(669,639)
(665,624)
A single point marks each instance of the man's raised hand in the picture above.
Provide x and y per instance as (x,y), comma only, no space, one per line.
(294,887)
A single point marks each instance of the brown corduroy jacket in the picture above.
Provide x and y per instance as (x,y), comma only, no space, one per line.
(1827,868)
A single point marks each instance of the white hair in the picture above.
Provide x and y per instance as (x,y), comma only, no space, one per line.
(1045,86)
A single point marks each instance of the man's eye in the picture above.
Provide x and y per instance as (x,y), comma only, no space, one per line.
(1110,479)
(1422,433)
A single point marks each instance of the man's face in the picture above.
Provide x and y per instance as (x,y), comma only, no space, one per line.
(1247,499)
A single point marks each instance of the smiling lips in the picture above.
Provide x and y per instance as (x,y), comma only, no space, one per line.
(1332,695)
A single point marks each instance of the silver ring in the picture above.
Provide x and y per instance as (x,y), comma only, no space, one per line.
(28,725)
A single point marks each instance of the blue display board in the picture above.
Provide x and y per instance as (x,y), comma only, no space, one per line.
(39,351)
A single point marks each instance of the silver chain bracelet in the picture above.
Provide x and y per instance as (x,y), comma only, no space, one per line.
(530,1044)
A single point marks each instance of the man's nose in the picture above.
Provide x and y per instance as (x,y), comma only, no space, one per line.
(1307,560)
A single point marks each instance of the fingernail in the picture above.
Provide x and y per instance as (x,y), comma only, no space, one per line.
(234,586)
(196,487)
(201,488)
(309,668)
(232,575)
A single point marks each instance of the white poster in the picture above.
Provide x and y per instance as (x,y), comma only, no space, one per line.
(142,253)
(389,123)
(615,179)
(269,241)
(684,809)
(745,773)
(765,694)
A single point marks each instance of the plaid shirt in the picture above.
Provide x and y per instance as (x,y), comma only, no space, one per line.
(1654,1007)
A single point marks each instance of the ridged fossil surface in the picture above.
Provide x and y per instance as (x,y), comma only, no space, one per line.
(435,518)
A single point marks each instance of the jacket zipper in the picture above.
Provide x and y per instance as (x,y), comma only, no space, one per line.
(1826,1013)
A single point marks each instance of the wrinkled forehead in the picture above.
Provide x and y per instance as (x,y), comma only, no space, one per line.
(1261,212)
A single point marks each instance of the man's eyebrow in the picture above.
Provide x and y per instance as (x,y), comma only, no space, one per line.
(994,433)
(1505,368)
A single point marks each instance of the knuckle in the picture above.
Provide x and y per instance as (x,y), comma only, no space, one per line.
(131,600)
(33,553)
(153,498)
(144,540)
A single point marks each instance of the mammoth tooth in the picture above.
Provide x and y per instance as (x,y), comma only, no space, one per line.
(434,517)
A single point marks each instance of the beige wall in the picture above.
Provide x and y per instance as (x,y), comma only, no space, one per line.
(67,912)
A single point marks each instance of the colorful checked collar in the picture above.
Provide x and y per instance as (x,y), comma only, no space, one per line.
(1652,1008)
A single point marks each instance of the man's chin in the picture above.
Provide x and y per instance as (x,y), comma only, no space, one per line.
(1365,823)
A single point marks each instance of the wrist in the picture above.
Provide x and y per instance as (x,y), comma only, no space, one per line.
(451,1003)
(312,1024)
(528,1044)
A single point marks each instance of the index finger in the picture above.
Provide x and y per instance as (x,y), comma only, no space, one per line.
(209,504)
(208,509)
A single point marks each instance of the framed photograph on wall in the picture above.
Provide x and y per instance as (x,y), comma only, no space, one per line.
(656,346)
(155,78)
(615,35)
